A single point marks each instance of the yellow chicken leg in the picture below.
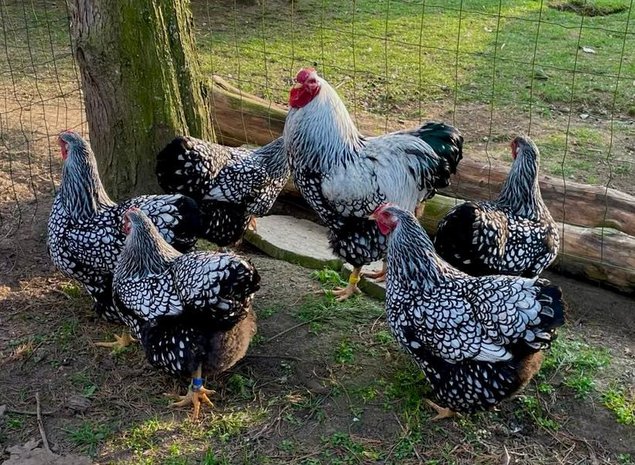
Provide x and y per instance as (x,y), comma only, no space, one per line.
(343,293)
(120,342)
(442,412)
(196,394)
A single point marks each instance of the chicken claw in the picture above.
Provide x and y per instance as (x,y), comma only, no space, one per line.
(378,276)
(343,293)
(120,342)
(442,412)
(195,396)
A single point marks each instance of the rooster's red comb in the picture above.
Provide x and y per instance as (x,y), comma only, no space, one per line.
(304,74)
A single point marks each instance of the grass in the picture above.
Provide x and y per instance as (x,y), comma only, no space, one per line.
(622,403)
(399,53)
(89,435)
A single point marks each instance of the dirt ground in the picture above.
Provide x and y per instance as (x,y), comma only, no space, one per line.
(322,384)
(299,397)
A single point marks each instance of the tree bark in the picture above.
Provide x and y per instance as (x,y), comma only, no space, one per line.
(141,84)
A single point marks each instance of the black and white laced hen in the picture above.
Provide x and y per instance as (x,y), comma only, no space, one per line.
(84,227)
(514,234)
(477,339)
(193,313)
(232,185)
(345,176)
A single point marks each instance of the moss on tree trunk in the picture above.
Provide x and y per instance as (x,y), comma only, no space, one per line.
(141,84)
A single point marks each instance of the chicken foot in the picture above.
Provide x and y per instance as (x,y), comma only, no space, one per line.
(442,412)
(343,293)
(120,342)
(196,394)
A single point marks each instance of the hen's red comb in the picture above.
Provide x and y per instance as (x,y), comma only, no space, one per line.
(382,207)
(304,74)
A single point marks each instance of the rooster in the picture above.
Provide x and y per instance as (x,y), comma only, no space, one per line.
(514,234)
(84,226)
(231,185)
(344,176)
(478,339)
(193,313)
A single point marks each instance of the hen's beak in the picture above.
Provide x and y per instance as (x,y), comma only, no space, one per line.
(297,85)
(372,216)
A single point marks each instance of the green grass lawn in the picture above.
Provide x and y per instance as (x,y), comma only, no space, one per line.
(389,56)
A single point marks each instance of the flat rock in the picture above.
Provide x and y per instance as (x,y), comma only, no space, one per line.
(305,243)
(29,454)
(294,240)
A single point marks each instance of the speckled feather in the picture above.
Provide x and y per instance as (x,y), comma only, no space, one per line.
(230,184)
(183,304)
(84,227)
(472,336)
(514,234)
(344,176)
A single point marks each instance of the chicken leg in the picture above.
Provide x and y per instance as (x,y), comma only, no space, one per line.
(252,224)
(419,210)
(378,276)
(196,394)
(442,412)
(343,293)
(120,342)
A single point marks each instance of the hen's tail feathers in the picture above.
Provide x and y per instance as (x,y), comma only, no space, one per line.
(189,226)
(183,168)
(223,224)
(551,315)
(445,140)
(453,241)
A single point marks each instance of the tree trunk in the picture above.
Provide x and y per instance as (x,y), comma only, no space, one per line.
(141,84)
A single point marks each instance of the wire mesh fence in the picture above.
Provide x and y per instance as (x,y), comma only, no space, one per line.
(564,72)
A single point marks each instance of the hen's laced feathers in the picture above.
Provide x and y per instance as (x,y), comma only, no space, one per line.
(145,252)
(473,336)
(81,190)
(520,192)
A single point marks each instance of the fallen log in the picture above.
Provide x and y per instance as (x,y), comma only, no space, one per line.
(571,202)
(598,224)
(602,255)
(240,118)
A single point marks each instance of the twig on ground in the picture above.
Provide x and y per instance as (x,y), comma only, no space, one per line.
(62,293)
(299,325)
(287,357)
(40,422)
(25,412)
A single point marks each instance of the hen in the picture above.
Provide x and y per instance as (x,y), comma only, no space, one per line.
(193,313)
(231,185)
(477,339)
(344,176)
(514,234)
(84,227)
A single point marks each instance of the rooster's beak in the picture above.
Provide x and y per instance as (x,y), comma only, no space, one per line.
(297,85)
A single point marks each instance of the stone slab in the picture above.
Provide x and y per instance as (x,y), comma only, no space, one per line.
(305,243)
(294,240)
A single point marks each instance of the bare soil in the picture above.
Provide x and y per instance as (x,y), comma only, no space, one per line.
(300,403)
